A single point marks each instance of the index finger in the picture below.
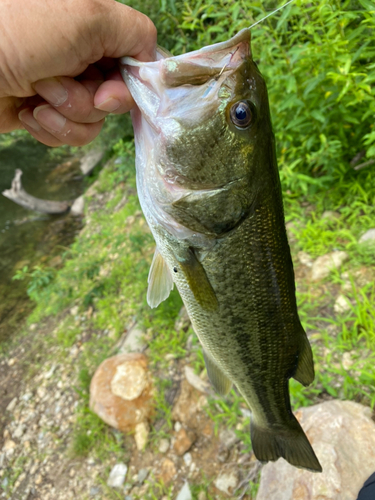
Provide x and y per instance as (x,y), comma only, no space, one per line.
(132,33)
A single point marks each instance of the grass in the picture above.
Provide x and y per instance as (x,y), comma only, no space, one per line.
(101,289)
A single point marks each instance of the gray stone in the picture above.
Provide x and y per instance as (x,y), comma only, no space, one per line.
(185,493)
(142,475)
(343,437)
(196,381)
(78,206)
(134,341)
(188,459)
(117,476)
(18,433)
(4,483)
(327,263)
(90,160)
(2,460)
(94,490)
(228,438)
(368,236)
(227,482)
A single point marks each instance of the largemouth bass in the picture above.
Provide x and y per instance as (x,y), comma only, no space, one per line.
(209,187)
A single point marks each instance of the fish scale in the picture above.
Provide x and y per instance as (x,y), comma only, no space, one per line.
(209,186)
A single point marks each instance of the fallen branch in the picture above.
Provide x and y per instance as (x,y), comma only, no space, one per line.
(19,196)
(365,164)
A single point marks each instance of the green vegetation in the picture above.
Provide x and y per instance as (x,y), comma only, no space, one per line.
(318,60)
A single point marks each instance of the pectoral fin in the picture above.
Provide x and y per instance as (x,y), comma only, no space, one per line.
(305,365)
(198,282)
(160,281)
(220,382)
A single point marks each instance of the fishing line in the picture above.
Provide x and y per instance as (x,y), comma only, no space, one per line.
(271,14)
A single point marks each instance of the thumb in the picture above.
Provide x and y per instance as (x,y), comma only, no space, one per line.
(127,32)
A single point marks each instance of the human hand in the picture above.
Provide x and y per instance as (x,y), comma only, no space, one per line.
(58,69)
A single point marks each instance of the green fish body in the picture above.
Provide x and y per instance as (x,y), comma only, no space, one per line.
(209,186)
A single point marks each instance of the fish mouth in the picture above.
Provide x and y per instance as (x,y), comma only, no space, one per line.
(185,87)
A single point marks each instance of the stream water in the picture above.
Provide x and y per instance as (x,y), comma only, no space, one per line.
(28,238)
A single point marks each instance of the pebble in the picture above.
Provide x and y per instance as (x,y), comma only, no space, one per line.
(38,479)
(9,445)
(142,475)
(167,471)
(196,381)
(4,483)
(341,305)
(330,215)
(11,406)
(305,259)
(94,490)
(187,458)
(18,433)
(177,426)
(164,445)
(2,460)
(326,263)
(202,496)
(227,481)
(228,438)
(142,431)
(185,493)
(117,475)
(183,441)
(368,236)
(134,341)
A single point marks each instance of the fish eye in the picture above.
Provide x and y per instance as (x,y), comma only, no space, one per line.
(242,114)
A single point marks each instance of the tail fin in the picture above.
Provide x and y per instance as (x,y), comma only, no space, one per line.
(289,442)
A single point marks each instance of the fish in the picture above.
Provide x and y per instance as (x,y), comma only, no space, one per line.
(209,187)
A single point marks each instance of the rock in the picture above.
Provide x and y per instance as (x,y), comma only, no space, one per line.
(164,445)
(187,459)
(185,493)
(9,446)
(121,391)
(78,206)
(347,361)
(117,476)
(11,406)
(343,437)
(167,471)
(368,236)
(2,460)
(305,259)
(330,215)
(142,431)
(90,161)
(228,438)
(134,341)
(341,305)
(183,441)
(227,482)
(202,496)
(18,433)
(177,426)
(142,475)
(327,263)
(196,381)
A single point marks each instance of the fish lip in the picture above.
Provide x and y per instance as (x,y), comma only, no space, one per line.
(242,36)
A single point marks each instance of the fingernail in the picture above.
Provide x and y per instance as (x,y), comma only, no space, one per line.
(109,105)
(52,91)
(26,117)
(49,118)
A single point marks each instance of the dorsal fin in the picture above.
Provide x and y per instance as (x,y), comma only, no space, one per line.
(160,281)
(218,379)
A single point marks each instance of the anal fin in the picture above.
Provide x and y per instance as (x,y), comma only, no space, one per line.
(305,365)
(220,382)
(160,281)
